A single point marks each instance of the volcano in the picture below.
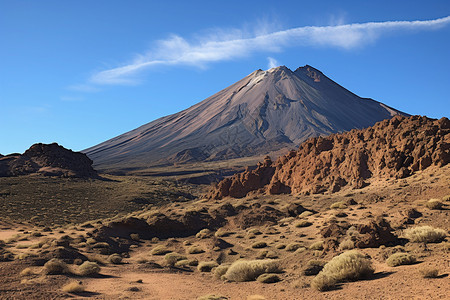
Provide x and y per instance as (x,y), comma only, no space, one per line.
(264,112)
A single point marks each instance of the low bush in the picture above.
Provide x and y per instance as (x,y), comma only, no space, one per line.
(248,270)
(338,205)
(429,272)
(316,246)
(425,234)
(115,259)
(195,250)
(159,250)
(206,266)
(172,258)
(73,287)
(346,245)
(350,265)
(293,246)
(220,271)
(303,223)
(259,245)
(89,268)
(434,204)
(400,258)
(268,278)
(55,266)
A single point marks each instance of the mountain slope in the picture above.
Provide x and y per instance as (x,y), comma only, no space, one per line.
(265,111)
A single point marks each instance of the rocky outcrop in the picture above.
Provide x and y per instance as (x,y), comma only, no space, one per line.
(394,148)
(49,160)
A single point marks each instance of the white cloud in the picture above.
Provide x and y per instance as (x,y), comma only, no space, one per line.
(176,50)
(272,63)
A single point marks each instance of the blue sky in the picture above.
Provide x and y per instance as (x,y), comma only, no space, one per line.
(81,72)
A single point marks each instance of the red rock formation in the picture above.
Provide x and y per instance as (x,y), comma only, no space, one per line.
(47,159)
(391,148)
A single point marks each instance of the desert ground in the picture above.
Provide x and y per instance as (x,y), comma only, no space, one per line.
(77,220)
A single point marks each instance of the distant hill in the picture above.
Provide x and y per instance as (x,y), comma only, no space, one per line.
(263,112)
(49,160)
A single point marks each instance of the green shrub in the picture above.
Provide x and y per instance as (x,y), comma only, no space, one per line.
(206,266)
(350,265)
(400,258)
(425,234)
(434,204)
(55,266)
(89,268)
(248,270)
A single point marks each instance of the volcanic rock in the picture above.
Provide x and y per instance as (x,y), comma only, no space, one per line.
(394,148)
(265,111)
(48,160)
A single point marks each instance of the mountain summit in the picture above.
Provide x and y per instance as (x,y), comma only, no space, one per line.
(263,112)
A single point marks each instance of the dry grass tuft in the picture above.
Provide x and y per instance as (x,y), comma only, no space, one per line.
(303,223)
(159,250)
(89,268)
(204,233)
(293,246)
(259,245)
(350,265)
(256,297)
(55,266)
(248,270)
(400,258)
(314,267)
(220,271)
(206,266)
(74,287)
(195,250)
(338,205)
(346,245)
(115,259)
(173,257)
(425,234)
(27,272)
(434,204)
(268,278)
(429,272)
(316,246)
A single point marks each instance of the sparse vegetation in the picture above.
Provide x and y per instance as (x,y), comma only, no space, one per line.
(249,270)
(350,265)
(55,266)
(115,259)
(212,297)
(303,223)
(425,234)
(204,233)
(195,250)
(259,245)
(314,267)
(293,246)
(159,250)
(429,272)
(27,272)
(220,271)
(434,204)
(206,266)
(400,258)
(73,287)
(316,246)
(173,257)
(268,278)
(305,214)
(346,245)
(89,268)
(338,205)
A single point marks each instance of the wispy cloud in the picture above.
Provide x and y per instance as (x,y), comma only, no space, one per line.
(176,50)
(272,63)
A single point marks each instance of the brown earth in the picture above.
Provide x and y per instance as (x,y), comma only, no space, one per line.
(394,148)
(379,213)
(49,160)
